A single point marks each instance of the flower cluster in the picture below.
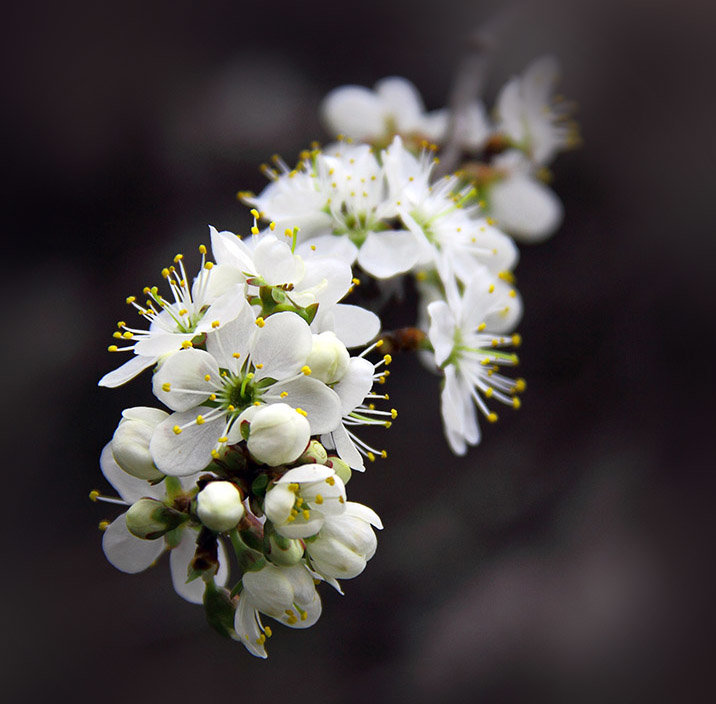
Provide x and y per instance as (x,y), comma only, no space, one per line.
(252,362)
(241,475)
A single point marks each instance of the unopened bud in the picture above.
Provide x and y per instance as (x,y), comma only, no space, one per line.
(219,506)
(315,452)
(150,519)
(341,468)
(329,358)
(285,551)
(278,435)
(130,443)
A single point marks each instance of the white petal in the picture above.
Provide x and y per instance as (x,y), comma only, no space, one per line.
(346,449)
(442,330)
(228,249)
(186,373)
(247,627)
(306,473)
(276,263)
(355,384)
(331,246)
(233,337)
(354,325)
(282,345)
(365,513)
(321,403)
(224,309)
(525,208)
(354,111)
(401,101)
(179,559)
(127,552)
(127,371)
(385,254)
(159,343)
(189,451)
(332,275)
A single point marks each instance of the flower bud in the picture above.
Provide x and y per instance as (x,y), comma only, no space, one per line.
(130,443)
(285,551)
(329,358)
(315,453)
(219,506)
(341,468)
(278,434)
(150,519)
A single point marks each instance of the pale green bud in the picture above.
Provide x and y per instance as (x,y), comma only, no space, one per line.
(329,358)
(315,452)
(343,471)
(150,519)
(130,443)
(219,506)
(285,551)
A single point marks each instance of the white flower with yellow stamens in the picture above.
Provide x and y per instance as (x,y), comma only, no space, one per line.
(446,218)
(248,362)
(530,116)
(345,543)
(466,333)
(286,594)
(299,502)
(131,554)
(195,309)
(355,390)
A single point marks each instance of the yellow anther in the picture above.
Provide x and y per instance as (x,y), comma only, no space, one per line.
(492,417)
(421,275)
(379,343)
(177,430)
(495,342)
(272,226)
(121,324)
(112,348)
(223,438)
(127,335)
(288,232)
(94,495)
(330,481)
(186,344)
(293,487)
(384,454)
(257,403)
(393,413)
(313,247)
(387,359)
(268,631)
(512,293)
(202,249)
(166,386)
(254,230)
(304,616)
(489,391)
(491,221)
(231,408)
(356,282)
(305,369)
(283,394)
(165,273)
(386,397)
(299,503)
(300,411)
(260,322)
(306,514)
(103,525)
(341,500)
(178,258)
(215,324)
(520,385)
(259,366)
(381,380)
(371,457)
(183,311)
(516,403)
(255,212)
(388,424)
(319,499)
(492,288)
(215,454)
(236,355)
(117,335)
(146,290)
(209,265)
(516,340)
(485,361)
(212,397)
(200,420)
(481,327)
(290,519)
(507,276)
(131,299)
(371,406)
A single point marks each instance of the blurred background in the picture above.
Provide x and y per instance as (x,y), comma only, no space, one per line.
(568,558)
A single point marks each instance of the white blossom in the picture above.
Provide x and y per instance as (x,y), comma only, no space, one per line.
(219,506)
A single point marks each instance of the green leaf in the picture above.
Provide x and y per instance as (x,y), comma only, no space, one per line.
(219,609)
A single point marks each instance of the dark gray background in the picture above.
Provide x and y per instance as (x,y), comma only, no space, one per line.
(568,558)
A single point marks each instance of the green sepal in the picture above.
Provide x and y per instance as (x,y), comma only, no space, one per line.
(173,537)
(258,486)
(219,609)
(251,540)
(245,429)
(309,312)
